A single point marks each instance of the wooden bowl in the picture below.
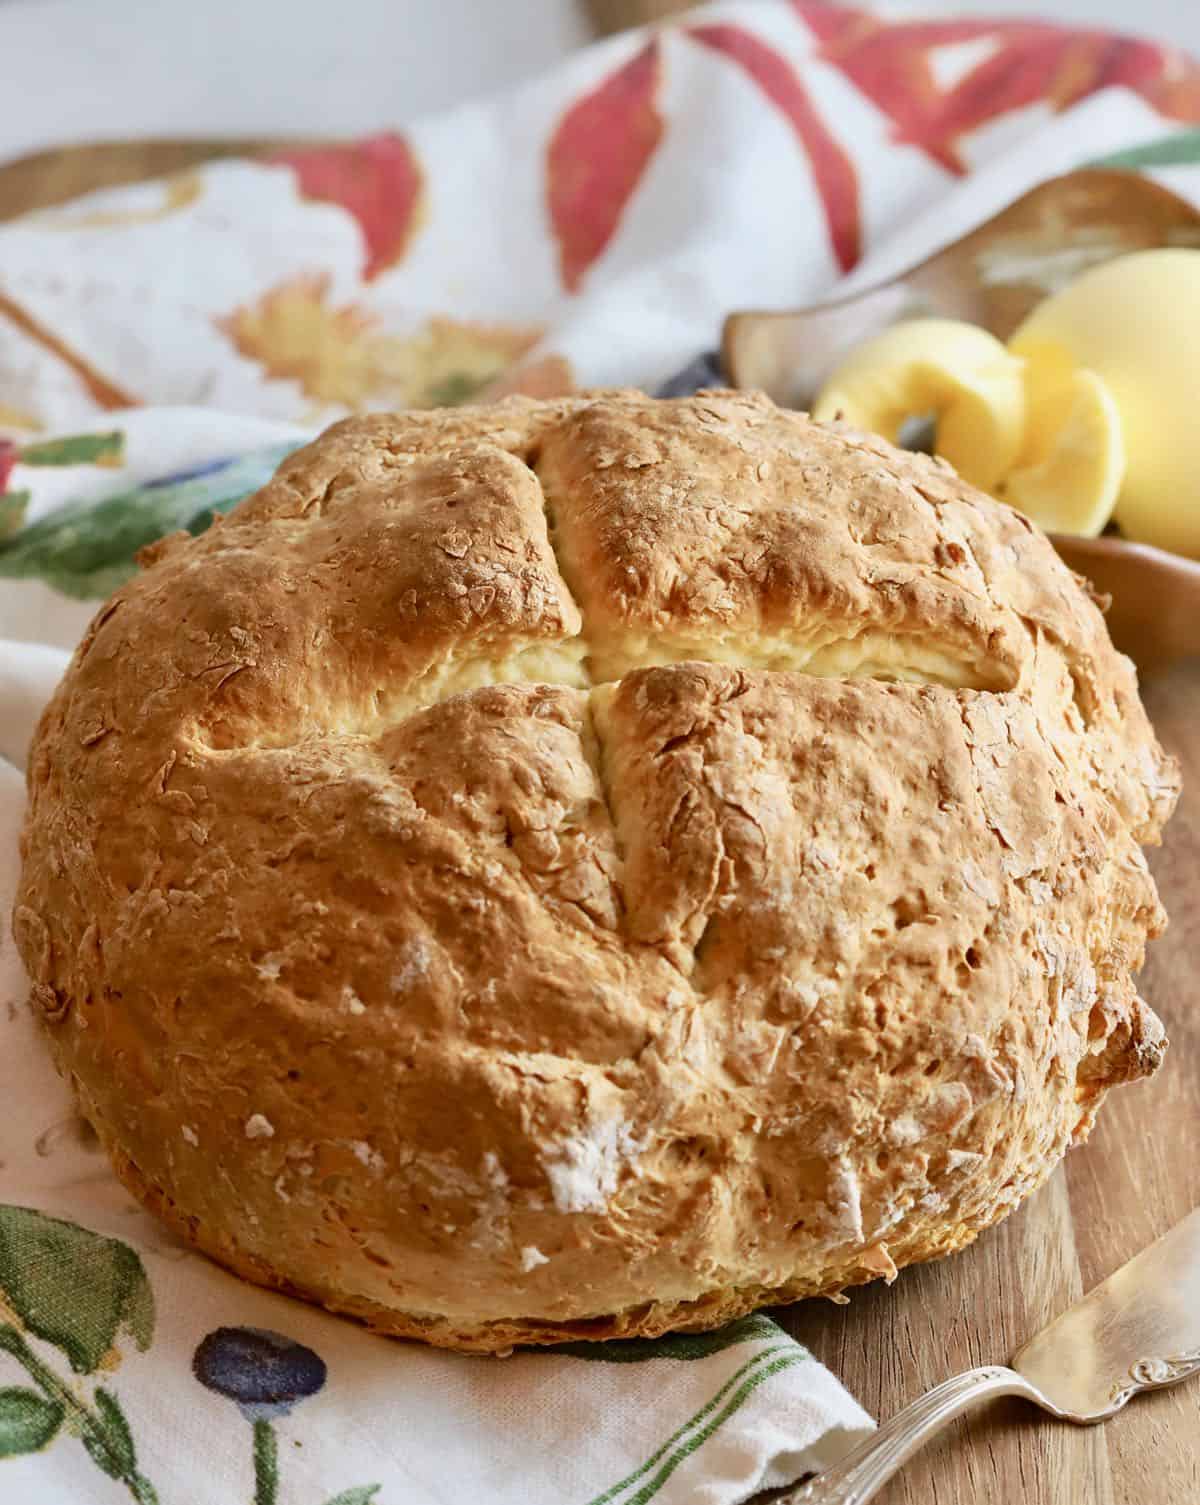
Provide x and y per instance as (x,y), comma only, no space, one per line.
(1154,607)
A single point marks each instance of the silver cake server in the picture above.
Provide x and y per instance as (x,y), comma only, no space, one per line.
(1138,1330)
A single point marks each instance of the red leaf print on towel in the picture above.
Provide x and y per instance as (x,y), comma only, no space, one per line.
(1175,93)
(1062,67)
(1031,60)
(832,167)
(596,158)
(894,72)
(377,181)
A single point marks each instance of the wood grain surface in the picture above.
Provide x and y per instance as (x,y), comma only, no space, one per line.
(1137,1176)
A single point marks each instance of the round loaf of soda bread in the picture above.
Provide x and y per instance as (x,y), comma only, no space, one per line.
(593,867)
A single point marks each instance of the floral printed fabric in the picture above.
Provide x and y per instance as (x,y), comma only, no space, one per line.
(586,229)
(591,228)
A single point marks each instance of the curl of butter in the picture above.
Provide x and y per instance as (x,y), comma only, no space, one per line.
(1039,432)
(1135,322)
(959,374)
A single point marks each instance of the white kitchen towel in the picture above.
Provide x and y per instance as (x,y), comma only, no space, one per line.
(590,228)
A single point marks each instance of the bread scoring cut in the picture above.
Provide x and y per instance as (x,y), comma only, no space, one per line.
(691,843)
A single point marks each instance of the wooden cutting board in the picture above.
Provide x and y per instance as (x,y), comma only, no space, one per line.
(1137,1176)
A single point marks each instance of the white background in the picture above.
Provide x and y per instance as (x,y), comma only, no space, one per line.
(73,70)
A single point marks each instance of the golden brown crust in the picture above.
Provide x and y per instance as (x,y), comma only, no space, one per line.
(650,1320)
(429,931)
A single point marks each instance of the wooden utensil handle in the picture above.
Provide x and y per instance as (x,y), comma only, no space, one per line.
(617,15)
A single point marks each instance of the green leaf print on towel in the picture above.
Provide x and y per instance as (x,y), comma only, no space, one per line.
(13,506)
(775,1353)
(644,1482)
(80,1292)
(1180,149)
(74,1288)
(118,1456)
(106,449)
(27,1421)
(77,449)
(86,550)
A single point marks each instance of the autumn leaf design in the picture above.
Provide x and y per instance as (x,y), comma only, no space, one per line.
(833,168)
(1062,67)
(595,160)
(897,79)
(339,354)
(378,181)
(1029,61)
(1175,92)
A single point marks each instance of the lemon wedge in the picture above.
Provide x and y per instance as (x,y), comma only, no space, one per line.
(960,374)
(1070,473)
